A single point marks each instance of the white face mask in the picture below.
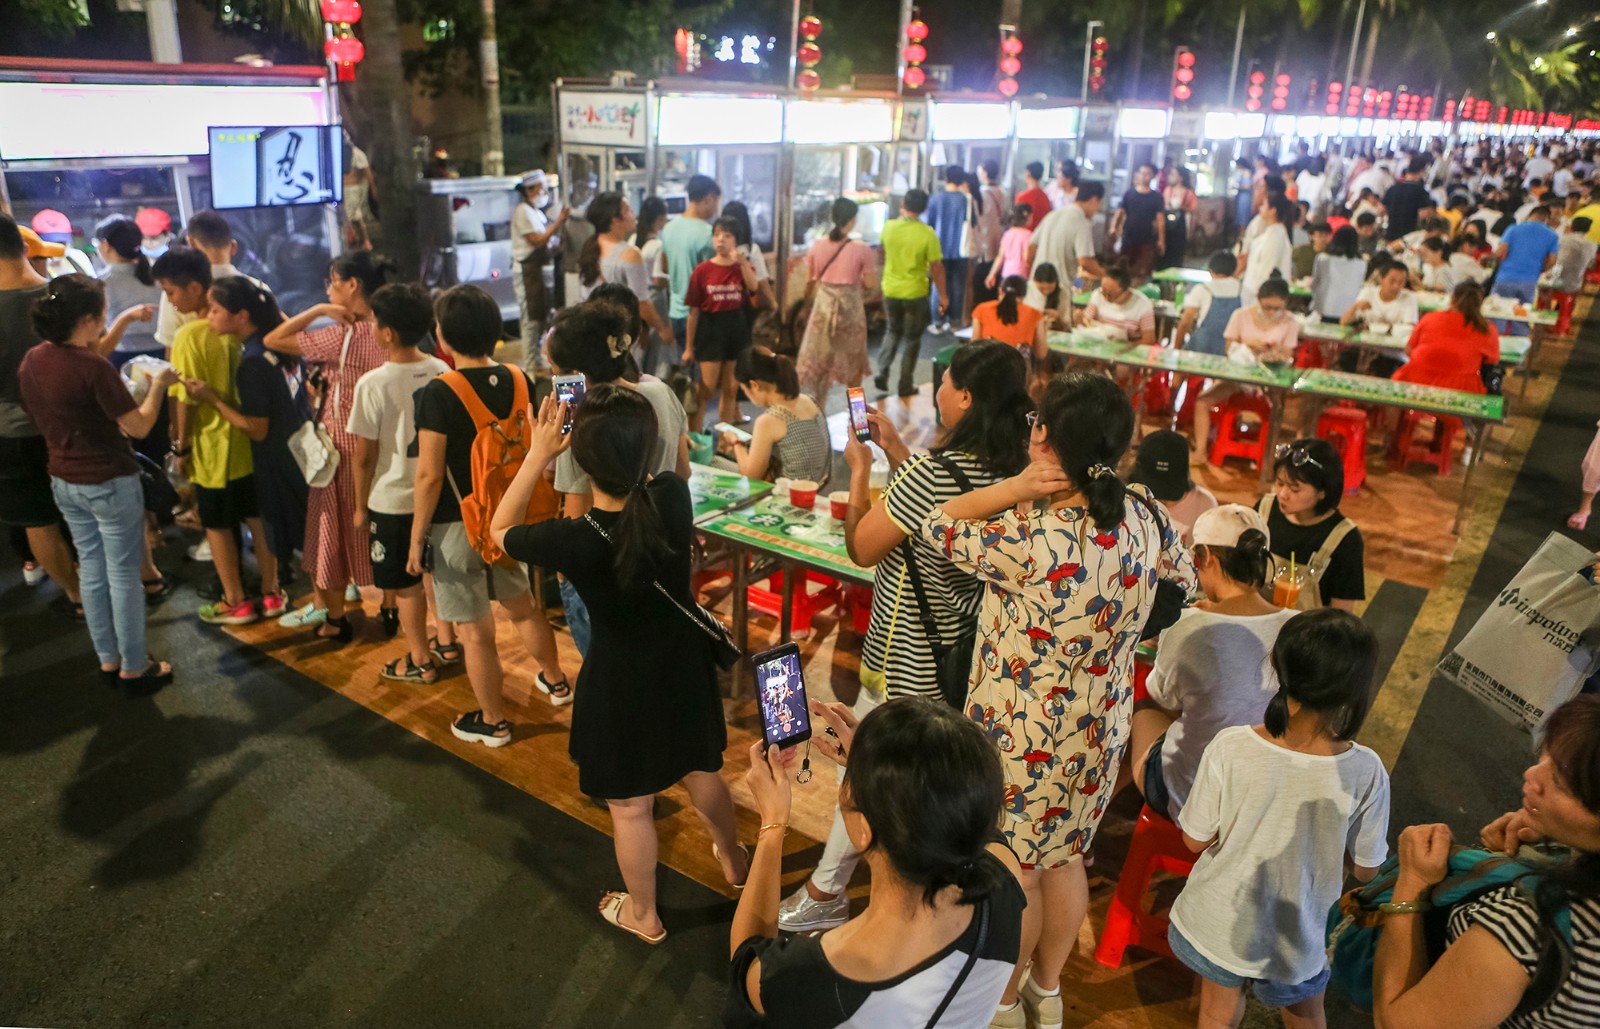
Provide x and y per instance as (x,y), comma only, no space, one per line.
(542,201)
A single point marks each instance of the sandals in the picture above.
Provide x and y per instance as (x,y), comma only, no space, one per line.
(344,634)
(716,855)
(163,588)
(444,653)
(426,673)
(611,911)
(471,728)
(148,681)
(389,618)
(560,693)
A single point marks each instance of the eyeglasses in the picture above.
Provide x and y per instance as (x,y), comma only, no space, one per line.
(1296,455)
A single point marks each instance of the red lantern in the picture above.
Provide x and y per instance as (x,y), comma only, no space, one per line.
(1098,64)
(341,12)
(1186,59)
(915,77)
(917,30)
(916,53)
(808,79)
(1010,65)
(808,54)
(1008,87)
(344,50)
(811,26)
(1011,45)
(1181,92)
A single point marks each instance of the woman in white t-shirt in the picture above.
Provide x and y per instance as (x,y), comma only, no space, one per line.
(1387,301)
(1118,307)
(1269,249)
(1212,670)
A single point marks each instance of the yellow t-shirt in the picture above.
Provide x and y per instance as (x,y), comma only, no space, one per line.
(221,452)
(1591,212)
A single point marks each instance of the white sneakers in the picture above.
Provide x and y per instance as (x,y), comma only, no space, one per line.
(33,574)
(200,551)
(802,913)
(1043,1009)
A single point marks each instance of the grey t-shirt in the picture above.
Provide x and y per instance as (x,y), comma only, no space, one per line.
(124,290)
(16,339)
(671,424)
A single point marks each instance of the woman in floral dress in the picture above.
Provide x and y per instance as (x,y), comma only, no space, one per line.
(1070,580)
(834,348)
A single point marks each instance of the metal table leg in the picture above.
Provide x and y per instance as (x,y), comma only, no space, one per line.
(1275,397)
(741,608)
(1484,429)
(786,616)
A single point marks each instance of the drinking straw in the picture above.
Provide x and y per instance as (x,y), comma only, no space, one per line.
(1291,568)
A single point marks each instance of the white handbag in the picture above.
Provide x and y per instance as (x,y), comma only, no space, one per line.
(312,445)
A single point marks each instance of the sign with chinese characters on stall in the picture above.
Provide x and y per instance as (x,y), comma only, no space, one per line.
(608,119)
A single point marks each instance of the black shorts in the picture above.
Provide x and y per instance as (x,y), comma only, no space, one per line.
(721,336)
(225,508)
(25,497)
(390,536)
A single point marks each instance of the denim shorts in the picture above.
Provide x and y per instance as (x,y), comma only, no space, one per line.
(1156,795)
(1272,994)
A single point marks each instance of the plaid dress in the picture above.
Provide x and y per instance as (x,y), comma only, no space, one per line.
(336,552)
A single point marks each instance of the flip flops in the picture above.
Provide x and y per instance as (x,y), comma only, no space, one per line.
(716,856)
(611,911)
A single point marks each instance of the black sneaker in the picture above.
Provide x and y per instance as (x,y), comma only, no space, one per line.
(882,382)
(473,729)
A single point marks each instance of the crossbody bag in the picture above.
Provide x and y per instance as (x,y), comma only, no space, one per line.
(952,662)
(311,444)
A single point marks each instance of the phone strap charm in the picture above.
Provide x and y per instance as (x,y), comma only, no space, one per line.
(804,775)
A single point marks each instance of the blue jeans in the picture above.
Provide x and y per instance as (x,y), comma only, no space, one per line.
(577,617)
(107,525)
(1272,994)
(955,291)
(1524,291)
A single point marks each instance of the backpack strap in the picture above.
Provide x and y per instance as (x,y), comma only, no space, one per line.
(1324,553)
(1264,506)
(476,410)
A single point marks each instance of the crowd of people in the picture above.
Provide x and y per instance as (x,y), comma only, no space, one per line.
(375,441)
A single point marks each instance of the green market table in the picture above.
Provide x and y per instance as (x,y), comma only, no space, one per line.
(715,491)
(1513,349)
(792,538)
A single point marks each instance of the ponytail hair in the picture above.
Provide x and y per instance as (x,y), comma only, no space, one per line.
(1467,298)
(589,261)
(612,435)
(1245,562)
(1011,290)
(123,235)
(235,293)
(1088,423)
(762,365)
(67,301)
(1325,661)
(844,209)
(371,271)
(1046,272)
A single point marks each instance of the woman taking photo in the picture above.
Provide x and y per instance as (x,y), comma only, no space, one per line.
(1068,586)
(85,414)
(1496,946)
(922,791)
(844,271)
(639,724)
(983,405)
(609,257)
(1306,526)
(1450,348)
(335,553)
(790,437)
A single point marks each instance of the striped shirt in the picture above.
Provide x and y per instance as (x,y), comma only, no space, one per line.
(1510,918)
(896,644)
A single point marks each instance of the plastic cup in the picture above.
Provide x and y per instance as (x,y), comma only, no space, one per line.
(1286,587)
(879,479)
(839,504)
(803,493)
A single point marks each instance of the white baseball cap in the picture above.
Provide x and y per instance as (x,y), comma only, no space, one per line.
(1222,526)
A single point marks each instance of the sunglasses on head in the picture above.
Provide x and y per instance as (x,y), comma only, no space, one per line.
(1032,418)
(1297,455)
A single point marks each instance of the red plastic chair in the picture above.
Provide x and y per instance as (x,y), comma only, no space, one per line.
(1346,428)
(769,599)
(860,600)
(1437,449)
(1157,846)
(1241,437)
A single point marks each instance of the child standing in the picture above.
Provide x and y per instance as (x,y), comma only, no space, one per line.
(1274,811)
(718,331)
(383,420)
(216,451)
(1013,256)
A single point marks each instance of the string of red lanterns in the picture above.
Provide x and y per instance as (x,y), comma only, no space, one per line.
(343,48)
(915,52)
(1010,63)
(1097,64)
(809,53)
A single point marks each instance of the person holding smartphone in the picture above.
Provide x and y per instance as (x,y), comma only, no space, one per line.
(641,722)
(983,406)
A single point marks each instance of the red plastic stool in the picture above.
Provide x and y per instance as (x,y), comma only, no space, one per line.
(1157,846)
(1309,355)
(1346,428)
(1237,437)
(860,600)
(769,599)
(1186,397)
(1437,449)
(1158,394)
(1562,302)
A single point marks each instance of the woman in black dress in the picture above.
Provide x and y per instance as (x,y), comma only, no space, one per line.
(647,713)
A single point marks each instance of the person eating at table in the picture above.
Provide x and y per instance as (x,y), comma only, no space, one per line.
(1306,527)
(1449,348)
(1268,331)
(1386,299)
(1118,307)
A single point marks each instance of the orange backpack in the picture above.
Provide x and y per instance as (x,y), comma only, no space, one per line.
(498,451)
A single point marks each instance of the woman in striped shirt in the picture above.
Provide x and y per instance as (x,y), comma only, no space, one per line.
(983,405)
(1489,972)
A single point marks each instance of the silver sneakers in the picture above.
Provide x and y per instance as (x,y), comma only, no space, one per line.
(1044,1010)
(802,913)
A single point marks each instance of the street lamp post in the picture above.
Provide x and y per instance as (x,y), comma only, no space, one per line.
(1088,45)
(1355,41)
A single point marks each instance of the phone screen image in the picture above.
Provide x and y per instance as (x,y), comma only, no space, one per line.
(781,689)
(569,390)
(858,414)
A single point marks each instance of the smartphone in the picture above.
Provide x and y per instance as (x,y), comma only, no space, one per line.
(858,414)
(569,390)
(738,433)
(427,556)
(781,689)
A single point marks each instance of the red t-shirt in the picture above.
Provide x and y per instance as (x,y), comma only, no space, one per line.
(75,398)
(1038,202)
(716,287)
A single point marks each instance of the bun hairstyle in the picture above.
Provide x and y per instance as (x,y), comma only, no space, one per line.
(995,428)
(1089,422)
(123,235)
(235,293)
(843,210)
(1467,298)
(362,266)
(1117,271)
(1246,562)
(67,301)
(928,783)
(762,365)
(612,434)
(1021,215)
(593,339)
(1012,290)
(1325,661)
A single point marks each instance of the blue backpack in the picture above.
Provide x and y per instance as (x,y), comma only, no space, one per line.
(1355,923)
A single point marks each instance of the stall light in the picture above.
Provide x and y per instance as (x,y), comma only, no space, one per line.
(1308,126)
(1349,127)
(839,121)
(1142,123)
(1048,123)
(718,121)
(1330,125)
(1251,126)
(1365,127)
(1283,125)
(971,121)
(1220,125)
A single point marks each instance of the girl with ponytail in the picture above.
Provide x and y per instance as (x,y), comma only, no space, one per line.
(790,437)
(128,284)
(1009,320)
(1070,558)
(647,713)
(1284,806)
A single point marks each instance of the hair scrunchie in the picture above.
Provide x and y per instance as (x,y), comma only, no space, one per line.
(1100,471)
(618,345)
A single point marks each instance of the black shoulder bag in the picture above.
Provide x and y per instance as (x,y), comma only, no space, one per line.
(952,662)
(1170,597)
